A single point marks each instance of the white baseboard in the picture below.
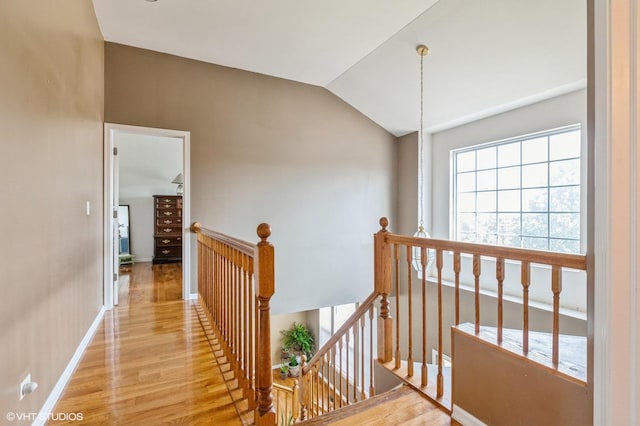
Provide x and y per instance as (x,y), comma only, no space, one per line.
(464,418)
(143,259)
(52,400)
(193,296)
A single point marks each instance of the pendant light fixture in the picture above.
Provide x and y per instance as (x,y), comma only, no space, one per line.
(417,252)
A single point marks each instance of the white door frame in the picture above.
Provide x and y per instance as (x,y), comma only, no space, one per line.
(110,132)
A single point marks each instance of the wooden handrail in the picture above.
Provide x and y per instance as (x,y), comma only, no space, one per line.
(233,242)
(565,260)
(348,324)
(235,286)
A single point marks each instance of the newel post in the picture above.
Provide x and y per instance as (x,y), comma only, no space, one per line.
(383,281)
(265,281)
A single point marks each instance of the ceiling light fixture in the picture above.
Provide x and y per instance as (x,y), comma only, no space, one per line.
(417,252)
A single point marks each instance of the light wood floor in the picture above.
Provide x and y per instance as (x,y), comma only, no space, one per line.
(150,362)
(401,406)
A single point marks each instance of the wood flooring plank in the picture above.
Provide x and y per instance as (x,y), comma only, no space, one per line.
(150,361)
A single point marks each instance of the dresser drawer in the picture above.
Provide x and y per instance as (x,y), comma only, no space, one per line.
(168,241)
(166,199)
(168,220)
(166,213)
(168,251)
(168,230)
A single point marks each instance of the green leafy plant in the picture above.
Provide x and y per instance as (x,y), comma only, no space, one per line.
(298,338)
(286,421)
(293,362)
(284,369)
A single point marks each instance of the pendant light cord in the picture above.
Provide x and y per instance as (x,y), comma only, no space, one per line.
(420,149)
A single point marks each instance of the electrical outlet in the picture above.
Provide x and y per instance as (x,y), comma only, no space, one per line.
(23,386)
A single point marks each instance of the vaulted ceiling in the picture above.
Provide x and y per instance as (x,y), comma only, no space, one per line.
(486,56)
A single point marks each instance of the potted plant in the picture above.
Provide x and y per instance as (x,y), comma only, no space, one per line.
(294,367)
(298,339)
(285,353)
(284,371)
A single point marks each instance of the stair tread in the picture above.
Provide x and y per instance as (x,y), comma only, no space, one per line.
(401,406)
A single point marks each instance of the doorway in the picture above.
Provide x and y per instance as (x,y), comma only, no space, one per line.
(116,134)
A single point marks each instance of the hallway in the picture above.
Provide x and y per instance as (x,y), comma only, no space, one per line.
(149,361)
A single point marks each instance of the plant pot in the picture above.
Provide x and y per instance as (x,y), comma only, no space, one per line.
(294,371)
(284,375)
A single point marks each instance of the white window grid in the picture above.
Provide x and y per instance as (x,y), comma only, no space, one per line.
(494,187)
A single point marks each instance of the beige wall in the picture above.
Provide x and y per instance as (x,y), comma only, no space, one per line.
(51,113)
(265,149)
(407,216)
(496,387)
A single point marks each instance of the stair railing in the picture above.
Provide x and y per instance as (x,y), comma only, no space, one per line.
(286,403)
(235,285)
(395,256)
(342,371)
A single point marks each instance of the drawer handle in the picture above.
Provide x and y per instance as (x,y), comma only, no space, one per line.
(166,206)
(166,251)
(167,200)
(167,229)
(168,222)
(166,241)
(168,213)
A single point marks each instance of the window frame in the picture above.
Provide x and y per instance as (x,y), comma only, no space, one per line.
(453,176)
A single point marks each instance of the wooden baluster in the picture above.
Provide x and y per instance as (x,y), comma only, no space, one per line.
(500,278)
(238,315)
(382,279)
(525,279)
(234,315)
(456,270)
(372,388)
(225,298)
(410,312)
(295,406)
(335,375)
(265,414)
(346,336)
(245,309)
(476,274)
(440,378)
(305,384)
(251,305)
(556,287)
(423,263)
(321,396)
(215,271)
(356,339)
(217,293)
(323,389)
(317,376)
(340,371)
(396,257)
(362,365)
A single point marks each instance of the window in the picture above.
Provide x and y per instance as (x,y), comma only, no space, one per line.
(521,192)
(351,359)
(332,318)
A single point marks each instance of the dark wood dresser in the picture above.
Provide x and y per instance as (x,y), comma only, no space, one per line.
(167,212)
